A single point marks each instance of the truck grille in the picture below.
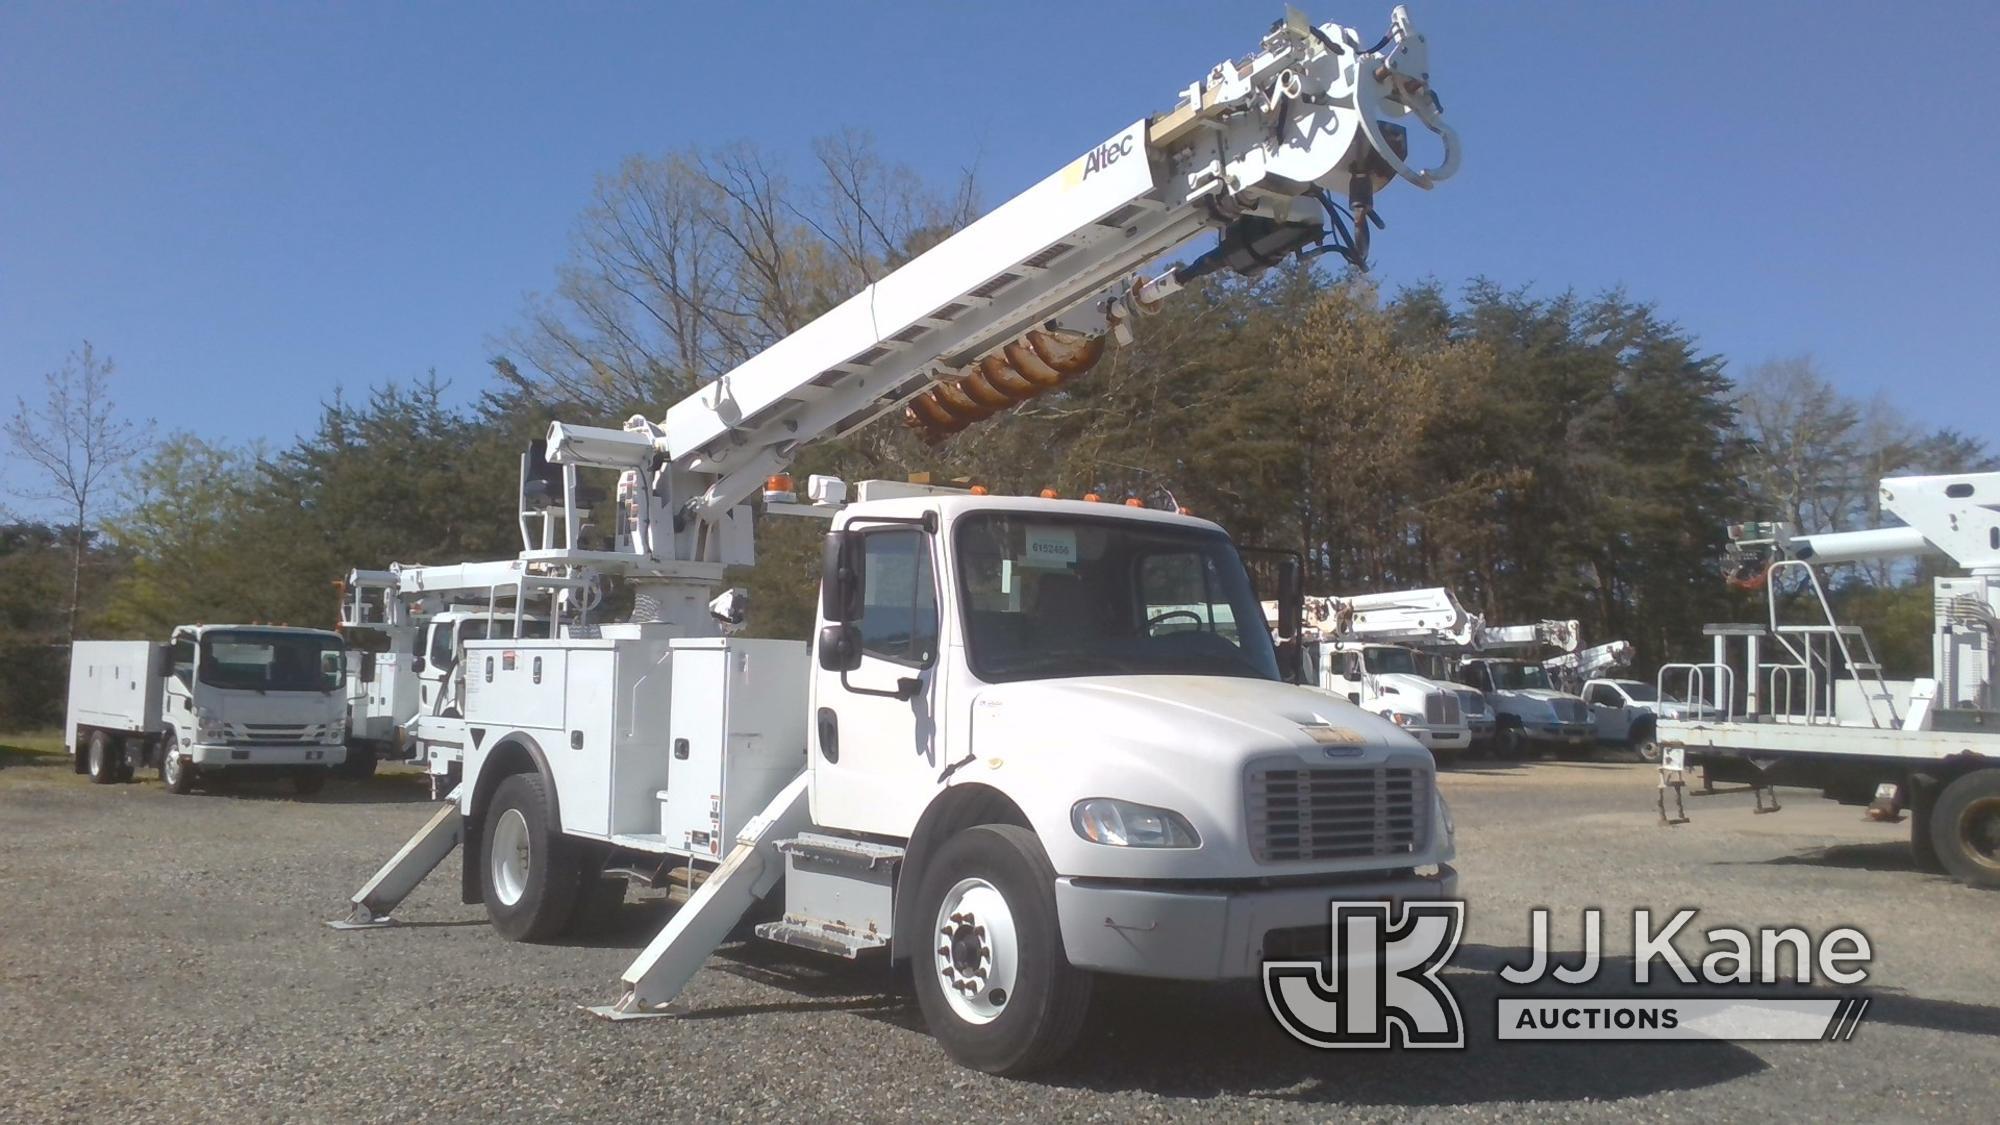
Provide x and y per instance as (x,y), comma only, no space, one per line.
(268,734)
(1570,710)
(1441,709)
(1301,812)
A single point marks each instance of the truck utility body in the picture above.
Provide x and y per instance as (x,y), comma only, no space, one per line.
(1027,740)
(1800,698)
(216,700)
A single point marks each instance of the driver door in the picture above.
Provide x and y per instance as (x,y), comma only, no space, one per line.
(876,758)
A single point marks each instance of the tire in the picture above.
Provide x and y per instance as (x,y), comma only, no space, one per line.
(1646,745)
(310,780)
(530,874)
(999,874)
(1511,742)
(102,765)
(1965,828)
(360,764)
(175,774)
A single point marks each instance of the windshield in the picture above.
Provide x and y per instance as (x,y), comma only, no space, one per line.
(1513,677)
(1392,661)
(1049,596)
(265,661)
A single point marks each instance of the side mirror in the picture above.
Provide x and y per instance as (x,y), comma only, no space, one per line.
(840,647)
(166,657)
(1352,674)
(840,579)
(367,671)
(1291,596)
(417,664)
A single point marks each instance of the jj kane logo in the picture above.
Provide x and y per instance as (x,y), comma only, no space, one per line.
(1383,987)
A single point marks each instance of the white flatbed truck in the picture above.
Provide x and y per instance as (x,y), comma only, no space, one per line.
(1005,758)
(214,702)
(1800,699)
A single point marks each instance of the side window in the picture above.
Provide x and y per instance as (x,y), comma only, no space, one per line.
(440,656)
(1602,696)
(184,661)
(1350,665)
(1180,592)
(899,615)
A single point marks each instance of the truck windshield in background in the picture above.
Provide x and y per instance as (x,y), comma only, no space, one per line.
(1391,662)
(1052,596)
(261,661)
(1514,677)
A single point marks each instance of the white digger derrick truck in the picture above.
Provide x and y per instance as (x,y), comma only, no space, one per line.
(1802,700)
(407,627)
(1005,758)
(1369,650)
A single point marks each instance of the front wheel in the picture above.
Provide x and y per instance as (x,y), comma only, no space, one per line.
(1646,745)
(531,872)
(994,984)
(175,772)
(1512,742)
(1965,828)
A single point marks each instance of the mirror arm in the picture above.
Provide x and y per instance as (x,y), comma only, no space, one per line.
(906,688)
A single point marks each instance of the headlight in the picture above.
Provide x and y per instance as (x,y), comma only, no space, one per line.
(208,727)
(1122,824)
(1398,718)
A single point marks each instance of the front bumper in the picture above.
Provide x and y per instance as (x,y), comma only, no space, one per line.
(208,756)
(1566,734)
(1203,933)
(1441,739)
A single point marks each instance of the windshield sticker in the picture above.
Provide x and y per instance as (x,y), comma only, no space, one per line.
(1050,547)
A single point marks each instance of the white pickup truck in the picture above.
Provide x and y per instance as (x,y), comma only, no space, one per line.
(1627,713)
(216,700)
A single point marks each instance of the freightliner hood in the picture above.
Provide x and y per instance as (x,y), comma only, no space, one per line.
(1177,742)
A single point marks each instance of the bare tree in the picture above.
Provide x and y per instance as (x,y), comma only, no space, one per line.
(74,440)
(686,265)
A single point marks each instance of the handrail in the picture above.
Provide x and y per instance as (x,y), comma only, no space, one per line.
(1697,681)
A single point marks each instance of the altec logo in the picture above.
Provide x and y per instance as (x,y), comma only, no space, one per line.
(1384,982)
(1107,154)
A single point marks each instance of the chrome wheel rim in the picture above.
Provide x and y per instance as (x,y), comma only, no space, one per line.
(977,955)
(173,762)
(510,857)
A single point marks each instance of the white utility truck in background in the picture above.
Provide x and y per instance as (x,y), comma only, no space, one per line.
(406,627)
(1005,757)
(1368,650)
(215,702)
(1531,713)
(1813,708)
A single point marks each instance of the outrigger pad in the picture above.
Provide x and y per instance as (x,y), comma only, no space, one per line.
(618,1012)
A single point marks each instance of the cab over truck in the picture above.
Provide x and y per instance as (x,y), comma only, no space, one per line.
(1529,712)
(1026,742)
(215,702)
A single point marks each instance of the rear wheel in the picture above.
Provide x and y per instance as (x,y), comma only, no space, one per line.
(993,982)
(1965,828)
(1923,848)
(530,871)
(103,766)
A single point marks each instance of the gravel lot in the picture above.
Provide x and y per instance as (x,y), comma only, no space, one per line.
(163,958)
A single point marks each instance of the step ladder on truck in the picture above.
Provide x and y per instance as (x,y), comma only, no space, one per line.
(1005,758)
(1799,699)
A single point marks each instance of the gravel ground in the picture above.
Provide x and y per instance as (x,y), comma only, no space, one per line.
(163,958)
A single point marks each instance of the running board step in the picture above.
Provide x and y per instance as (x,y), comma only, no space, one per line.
(821,937)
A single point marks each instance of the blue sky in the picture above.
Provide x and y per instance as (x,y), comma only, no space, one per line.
(249,205)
